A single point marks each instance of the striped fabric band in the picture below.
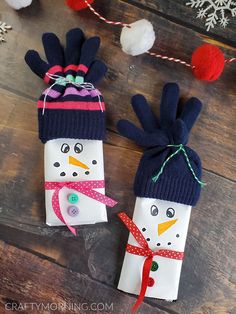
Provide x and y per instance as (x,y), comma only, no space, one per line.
(71,91)
(53,70)
(77,105)
(74,67)
(59,69)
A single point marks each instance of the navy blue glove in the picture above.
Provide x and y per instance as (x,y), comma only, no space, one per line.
(78,58)
(171,129)
(164,173)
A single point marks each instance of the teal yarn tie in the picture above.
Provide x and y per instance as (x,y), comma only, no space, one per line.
(180,149)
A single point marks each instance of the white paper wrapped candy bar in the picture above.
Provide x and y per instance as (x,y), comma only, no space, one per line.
(167,184)
(164,226)
(72,160)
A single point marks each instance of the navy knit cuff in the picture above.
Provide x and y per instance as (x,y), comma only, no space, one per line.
(175,189)
(80,124)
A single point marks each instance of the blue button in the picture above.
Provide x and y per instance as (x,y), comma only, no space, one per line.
(73,211)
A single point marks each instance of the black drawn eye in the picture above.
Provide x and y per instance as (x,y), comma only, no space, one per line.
(154,210)
(78,148)
(65,148)
(170,212)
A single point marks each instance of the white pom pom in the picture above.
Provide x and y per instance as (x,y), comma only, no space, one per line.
(18,4)
(137,39)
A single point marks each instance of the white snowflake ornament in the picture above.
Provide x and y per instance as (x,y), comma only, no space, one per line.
(4,28)
(214,11)
(2,39)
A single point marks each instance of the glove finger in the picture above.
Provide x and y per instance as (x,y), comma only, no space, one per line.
(144,113)
(131,131)
(96,72)
(145,139)
(191,111)
(53,49)
(88,53)
(180,132)
(74,41)
(169,102)
(36,64)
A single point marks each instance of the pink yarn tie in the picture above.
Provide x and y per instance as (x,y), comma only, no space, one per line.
(84,187)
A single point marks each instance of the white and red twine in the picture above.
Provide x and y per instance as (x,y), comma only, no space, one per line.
(156,55)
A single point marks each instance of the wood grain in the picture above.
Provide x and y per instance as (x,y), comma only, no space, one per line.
(213,136)
(178,12)
(42,282)
(98,250)
(101,247)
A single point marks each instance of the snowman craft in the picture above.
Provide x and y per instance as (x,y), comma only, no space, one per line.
(71,115)
(167,185)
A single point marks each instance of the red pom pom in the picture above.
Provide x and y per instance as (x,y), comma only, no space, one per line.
(208,62)
(78,4)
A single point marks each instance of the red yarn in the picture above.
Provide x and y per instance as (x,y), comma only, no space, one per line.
(208,62)
(78,4)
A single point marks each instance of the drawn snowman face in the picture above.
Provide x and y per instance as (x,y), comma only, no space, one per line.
(164,224)
(73,160)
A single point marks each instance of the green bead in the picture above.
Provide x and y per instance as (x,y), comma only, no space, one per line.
(73,198)
(70,77)
(79,79)
(154,266)
(61,81)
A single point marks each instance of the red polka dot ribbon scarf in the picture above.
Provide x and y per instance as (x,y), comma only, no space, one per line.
(144,250)
(84,187)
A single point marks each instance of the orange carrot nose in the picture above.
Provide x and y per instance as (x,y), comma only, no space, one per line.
(76,162)
(165,226)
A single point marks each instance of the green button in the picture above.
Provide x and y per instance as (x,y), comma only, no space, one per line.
(154,266)
(73,198)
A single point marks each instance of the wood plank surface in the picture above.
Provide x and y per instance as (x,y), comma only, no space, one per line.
(101,247)
(98,250)
(213,136)
(61,288)
(178,12)
(49,265)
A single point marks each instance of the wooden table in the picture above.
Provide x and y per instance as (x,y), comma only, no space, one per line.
(47,265)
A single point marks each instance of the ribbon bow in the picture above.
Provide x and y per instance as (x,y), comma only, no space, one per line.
(84,187)
(145,251)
